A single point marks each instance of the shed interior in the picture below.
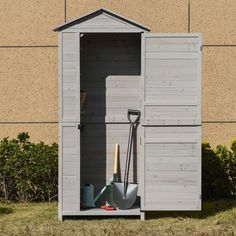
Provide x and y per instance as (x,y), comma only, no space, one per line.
(110,72)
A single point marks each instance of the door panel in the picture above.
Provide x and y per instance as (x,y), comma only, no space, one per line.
(171,78)
(171,122)
(172,168)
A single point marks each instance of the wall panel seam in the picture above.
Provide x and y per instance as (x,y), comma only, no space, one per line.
(220,122)
(29,46)
(189,17)
(29,122)
(57,122)
(65,11)
(219,45)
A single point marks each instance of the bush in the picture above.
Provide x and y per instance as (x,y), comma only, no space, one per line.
(218,171)
(28,171)
(228,157)
(215,181)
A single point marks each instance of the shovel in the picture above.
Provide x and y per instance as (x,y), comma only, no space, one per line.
(125,193)
(109,196)
(107,188)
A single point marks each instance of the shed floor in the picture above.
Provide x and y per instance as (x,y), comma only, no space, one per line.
(135,211)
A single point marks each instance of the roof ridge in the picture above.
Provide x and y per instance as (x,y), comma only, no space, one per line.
(64,25)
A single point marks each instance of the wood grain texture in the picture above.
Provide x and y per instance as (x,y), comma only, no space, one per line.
(70,83)
(172,169)
(169,61)
(104,21)
(69,118)
(69,167)
(171,128)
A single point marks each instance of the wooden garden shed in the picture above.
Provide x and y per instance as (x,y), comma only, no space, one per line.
(121,65)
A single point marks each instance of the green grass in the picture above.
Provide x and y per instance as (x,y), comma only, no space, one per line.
(216,219)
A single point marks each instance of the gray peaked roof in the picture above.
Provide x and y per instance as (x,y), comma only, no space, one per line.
(90,15)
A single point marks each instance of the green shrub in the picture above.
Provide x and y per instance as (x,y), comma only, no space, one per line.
(228,158)
(28,171)
(215,181)
(233,166)
(218,171)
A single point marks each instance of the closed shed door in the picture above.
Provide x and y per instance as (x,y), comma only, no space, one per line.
(171,121)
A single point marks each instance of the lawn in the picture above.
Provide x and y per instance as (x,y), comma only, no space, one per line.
(217,218)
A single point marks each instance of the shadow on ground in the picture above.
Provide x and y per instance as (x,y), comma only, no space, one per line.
(5,210)
(208,209)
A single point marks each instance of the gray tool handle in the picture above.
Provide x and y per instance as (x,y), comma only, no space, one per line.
(127,165)
(133,112)
(133,123)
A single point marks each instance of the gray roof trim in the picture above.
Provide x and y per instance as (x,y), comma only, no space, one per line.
(98,12)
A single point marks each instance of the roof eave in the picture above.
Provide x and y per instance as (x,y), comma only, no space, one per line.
(67,24)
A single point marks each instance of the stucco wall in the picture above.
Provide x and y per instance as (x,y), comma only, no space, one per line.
(28,62)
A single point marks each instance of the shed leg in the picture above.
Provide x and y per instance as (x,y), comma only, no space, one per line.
(142,215)
(60,217)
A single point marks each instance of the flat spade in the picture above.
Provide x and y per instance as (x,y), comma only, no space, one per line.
(125,193)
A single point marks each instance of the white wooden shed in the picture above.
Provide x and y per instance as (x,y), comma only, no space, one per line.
(120,65)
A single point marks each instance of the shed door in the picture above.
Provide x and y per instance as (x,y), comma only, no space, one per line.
(171,122)
(69,120)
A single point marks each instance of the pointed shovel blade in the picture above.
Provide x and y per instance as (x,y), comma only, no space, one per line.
(118,196)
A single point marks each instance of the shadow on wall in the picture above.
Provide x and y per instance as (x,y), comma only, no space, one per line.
(105,61)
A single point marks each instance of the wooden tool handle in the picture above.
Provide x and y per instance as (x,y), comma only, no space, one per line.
(116,158)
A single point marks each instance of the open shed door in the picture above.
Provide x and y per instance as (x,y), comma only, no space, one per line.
(69,120)
(171,121)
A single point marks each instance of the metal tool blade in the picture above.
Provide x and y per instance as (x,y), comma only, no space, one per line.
(121,201)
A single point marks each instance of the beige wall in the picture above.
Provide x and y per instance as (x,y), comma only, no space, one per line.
(28,62)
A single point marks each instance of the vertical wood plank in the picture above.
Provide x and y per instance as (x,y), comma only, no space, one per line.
(142,147)
(69,118)
(59,128)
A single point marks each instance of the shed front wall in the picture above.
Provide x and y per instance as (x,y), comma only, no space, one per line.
(69,119)
(108,69)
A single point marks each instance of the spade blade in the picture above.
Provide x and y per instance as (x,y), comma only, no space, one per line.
(121,201)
